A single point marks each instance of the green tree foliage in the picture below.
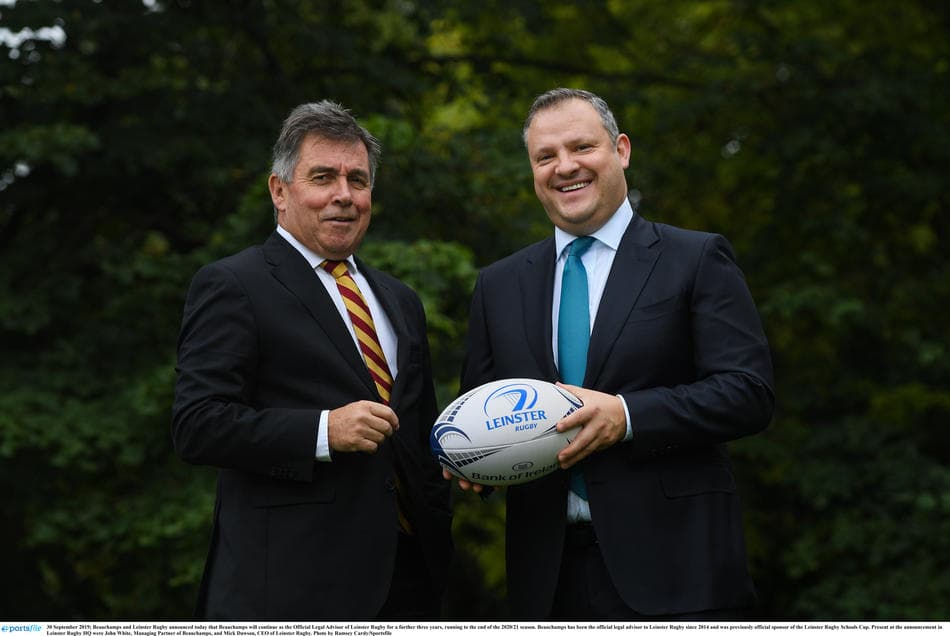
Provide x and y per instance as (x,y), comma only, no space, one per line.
(135,144)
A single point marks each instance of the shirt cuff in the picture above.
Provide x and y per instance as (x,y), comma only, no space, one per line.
(626,412)
(323,438)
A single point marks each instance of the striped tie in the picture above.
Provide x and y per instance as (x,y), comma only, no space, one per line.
(365,329)
(363,325)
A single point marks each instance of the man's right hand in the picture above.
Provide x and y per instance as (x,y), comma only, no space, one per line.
(360,427)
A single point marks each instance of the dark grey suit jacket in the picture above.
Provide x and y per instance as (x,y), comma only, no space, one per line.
(678,337)
(262,351)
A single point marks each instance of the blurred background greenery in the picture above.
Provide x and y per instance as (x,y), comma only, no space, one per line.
(134,147)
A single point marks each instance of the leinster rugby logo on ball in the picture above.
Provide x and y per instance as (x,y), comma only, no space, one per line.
(513,405)
(504,432)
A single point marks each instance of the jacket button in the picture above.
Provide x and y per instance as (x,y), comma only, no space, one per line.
(390,484)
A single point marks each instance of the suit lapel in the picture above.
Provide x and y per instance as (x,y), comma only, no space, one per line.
(537,291)
(633,264)
(293,272)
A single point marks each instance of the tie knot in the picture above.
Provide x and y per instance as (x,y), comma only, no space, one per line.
(336,268)
(580,245)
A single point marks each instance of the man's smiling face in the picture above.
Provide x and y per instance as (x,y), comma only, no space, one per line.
(578,172)
(328,203)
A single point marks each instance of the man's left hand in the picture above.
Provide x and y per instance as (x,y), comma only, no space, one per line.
(602,420)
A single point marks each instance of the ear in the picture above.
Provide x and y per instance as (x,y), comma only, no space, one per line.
(277,192)
(623,149)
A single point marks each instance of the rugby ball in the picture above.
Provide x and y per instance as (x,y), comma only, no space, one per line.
(504,432)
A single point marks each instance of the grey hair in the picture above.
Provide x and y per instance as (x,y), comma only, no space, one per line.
(326,119)
(557,96)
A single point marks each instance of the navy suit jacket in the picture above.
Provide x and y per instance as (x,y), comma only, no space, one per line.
(677,335)
(262,351)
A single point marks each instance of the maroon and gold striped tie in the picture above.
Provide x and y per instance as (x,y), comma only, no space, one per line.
(364,327)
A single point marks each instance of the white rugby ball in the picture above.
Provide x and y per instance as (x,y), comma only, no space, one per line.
(503,432)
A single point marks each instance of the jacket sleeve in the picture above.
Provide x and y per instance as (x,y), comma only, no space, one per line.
(214,418)
(731,395)
(477,366)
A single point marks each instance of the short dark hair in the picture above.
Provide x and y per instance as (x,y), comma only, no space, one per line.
(326,119)
(556,96)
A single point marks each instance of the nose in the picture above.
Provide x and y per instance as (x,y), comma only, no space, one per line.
(566,165)
(342,196)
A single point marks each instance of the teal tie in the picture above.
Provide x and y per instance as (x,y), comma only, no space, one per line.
(573,330)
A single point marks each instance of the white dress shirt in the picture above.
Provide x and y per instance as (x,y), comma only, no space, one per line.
(597,260)
(384,328)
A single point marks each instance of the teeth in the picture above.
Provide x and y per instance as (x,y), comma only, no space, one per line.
(576,186)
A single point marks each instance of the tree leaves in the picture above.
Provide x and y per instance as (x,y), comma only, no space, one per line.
(813,135)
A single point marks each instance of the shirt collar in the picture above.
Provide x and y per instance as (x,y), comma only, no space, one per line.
(609,234)
(312,257)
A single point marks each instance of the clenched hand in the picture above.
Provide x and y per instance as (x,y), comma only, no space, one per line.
(360,426)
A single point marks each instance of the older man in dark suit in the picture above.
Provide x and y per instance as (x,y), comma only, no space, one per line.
(304,377)
(654,328)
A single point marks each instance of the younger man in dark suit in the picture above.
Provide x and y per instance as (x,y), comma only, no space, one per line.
(304,377)
(654,328)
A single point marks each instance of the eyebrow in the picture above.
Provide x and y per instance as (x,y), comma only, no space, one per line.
(573,141)
(356,172)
